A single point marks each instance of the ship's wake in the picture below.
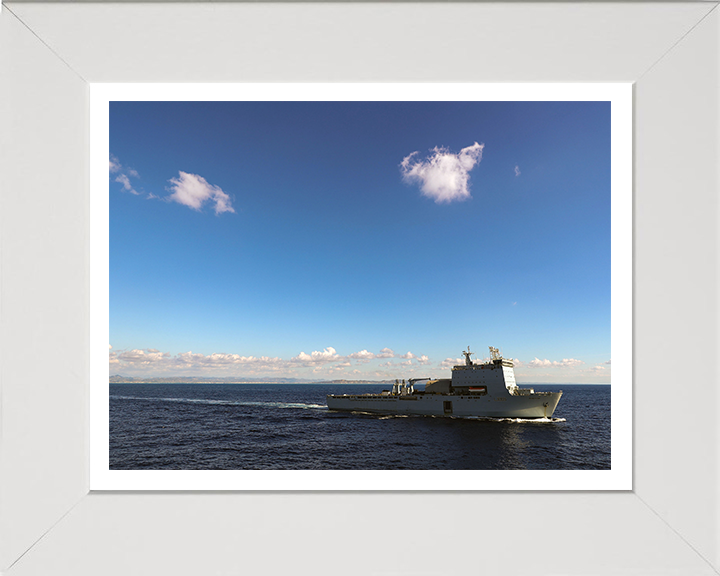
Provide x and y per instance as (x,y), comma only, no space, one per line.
(299,405)
(528,420)
(383,416)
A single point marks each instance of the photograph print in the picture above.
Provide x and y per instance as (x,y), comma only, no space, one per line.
(360,285)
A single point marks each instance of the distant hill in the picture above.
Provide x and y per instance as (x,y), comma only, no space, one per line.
(118,379)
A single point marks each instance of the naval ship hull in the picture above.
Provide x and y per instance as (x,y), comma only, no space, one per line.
(481,390)
(541,406)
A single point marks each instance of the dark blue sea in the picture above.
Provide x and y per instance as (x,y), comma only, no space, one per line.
(284,426)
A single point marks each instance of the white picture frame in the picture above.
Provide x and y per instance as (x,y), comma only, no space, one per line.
(50,522)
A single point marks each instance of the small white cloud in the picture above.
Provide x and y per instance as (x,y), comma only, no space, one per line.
(362,355)
(568,362)
(125,181)
(423,360)
(123,175)
(564,363)
(442,176)
(142,356)
(315,358)
(517,170)
(385,353)
(450,362)
(194,191)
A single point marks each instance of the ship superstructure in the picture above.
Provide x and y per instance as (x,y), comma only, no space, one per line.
(480,389)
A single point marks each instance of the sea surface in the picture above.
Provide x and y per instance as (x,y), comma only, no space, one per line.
(288,426)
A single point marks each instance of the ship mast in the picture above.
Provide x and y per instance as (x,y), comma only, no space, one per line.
(467,354)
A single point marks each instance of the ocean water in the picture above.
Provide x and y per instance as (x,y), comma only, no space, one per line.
(283,426)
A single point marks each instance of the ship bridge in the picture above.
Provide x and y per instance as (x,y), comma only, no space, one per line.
(495,375)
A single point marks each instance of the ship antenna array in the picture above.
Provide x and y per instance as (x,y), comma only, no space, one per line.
(468,361)
(494,353)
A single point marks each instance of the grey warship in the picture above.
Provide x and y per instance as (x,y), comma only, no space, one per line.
(475,389)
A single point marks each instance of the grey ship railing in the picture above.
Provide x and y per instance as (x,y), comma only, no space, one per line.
(529,392)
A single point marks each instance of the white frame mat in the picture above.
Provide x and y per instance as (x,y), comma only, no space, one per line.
(50,522)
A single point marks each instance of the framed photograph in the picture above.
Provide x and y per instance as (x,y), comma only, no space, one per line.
(393,225)
(66,509)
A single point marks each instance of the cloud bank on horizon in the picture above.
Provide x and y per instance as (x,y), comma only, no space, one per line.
(151,362)
(442,176)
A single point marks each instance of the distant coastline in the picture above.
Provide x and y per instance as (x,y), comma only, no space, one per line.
(117,379)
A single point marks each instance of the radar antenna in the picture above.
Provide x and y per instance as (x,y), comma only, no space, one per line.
(494,353)
(467,355)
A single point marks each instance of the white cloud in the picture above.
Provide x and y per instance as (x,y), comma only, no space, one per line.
(315,358)
(564,363)
(450,362)
(217,359)
(123,175)
(194,191)
(517,170)
(164,360)
(362,356)
(125,181)
(568,362)
(150,361)
(442,176)
(142,356)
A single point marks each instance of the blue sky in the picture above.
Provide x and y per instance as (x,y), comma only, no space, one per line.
(359,239)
